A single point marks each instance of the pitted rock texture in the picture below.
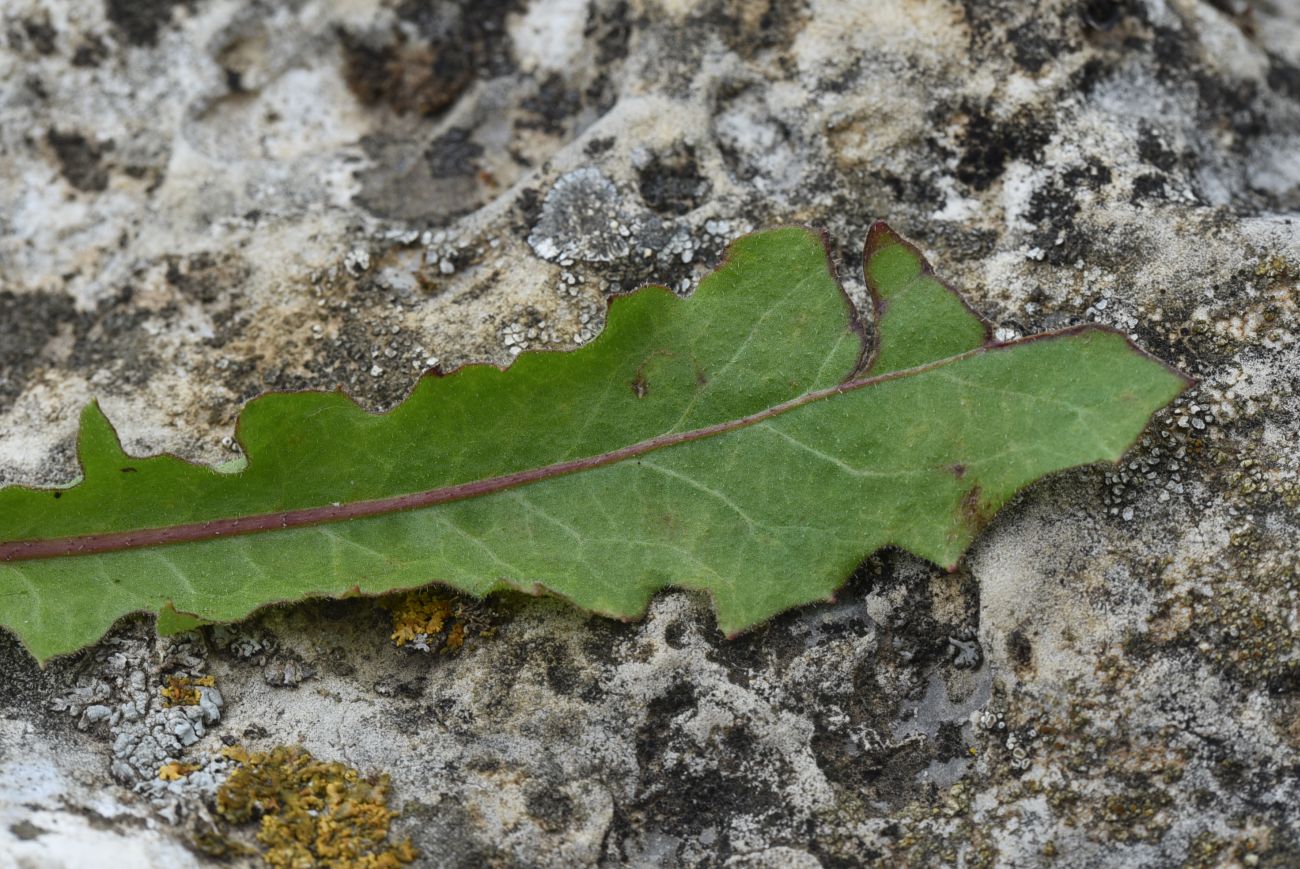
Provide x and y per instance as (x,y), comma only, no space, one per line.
(204,200)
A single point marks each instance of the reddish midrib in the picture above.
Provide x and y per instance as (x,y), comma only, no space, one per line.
(192,532)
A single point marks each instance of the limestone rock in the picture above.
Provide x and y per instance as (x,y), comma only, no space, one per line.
(203,200)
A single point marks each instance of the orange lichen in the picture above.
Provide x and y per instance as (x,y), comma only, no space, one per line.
(418,613)
(184,690)
(455,638)
(312,813)
(436,621)
(176,770)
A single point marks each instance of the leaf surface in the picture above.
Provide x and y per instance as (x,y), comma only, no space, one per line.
(739,442)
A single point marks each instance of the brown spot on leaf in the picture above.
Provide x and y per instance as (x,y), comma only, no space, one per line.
(975,512)
(958,470)
(639,385)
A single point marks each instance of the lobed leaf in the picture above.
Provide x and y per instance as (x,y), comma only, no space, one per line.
(738,442)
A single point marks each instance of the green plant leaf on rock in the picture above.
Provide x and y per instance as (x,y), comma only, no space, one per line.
(741,442)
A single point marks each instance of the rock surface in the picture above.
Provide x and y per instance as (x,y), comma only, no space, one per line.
(204,199)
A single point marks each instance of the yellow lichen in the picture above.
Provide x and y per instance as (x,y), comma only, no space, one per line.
(176,770)
(215,844)
(312,813)
(438,621)
(1274,267)
(184,690)
(237,753)
(420,612)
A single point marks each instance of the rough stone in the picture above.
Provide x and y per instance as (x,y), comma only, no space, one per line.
(204,200)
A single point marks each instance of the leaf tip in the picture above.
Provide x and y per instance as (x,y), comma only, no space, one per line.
(879,236)
(96,438)
(888,261)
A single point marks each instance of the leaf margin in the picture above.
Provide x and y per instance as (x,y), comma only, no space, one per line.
(869,354)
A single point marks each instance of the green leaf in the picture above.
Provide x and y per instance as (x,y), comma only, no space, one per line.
(170,622)
(733,442)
